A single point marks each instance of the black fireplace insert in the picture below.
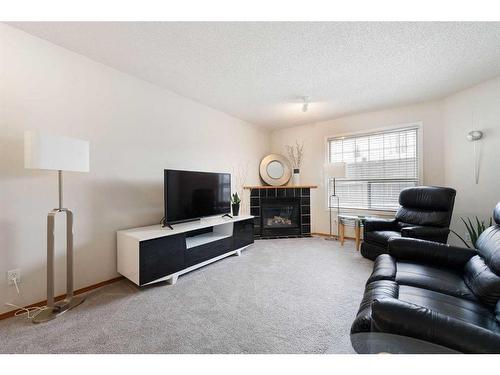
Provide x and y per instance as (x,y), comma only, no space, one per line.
(281,212)
(280,216)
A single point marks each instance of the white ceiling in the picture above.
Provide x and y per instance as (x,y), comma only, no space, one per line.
(258,71)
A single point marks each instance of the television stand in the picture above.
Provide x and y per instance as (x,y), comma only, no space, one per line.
(227,215)
(152,254)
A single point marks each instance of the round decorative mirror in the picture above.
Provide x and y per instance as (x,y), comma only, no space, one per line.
(275,170)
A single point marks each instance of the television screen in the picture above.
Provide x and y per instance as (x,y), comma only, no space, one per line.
(193,195)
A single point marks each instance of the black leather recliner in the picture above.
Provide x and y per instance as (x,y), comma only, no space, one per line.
(425,213)
(438,293)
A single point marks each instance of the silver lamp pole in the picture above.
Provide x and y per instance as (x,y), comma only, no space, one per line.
(49,152)
(331,237)
(333,171)
(54,309)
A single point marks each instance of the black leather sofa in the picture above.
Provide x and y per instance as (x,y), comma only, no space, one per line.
(438,293)
(425,213)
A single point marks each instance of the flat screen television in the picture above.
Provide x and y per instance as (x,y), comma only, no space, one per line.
(192,195)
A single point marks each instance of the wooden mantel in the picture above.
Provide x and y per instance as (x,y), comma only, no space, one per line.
(281,187)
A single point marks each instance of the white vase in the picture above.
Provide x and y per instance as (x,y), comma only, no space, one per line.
(296,177)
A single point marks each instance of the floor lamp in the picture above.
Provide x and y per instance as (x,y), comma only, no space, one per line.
(333,171)
(43,151)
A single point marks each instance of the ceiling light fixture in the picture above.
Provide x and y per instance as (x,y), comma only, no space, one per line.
(305,106)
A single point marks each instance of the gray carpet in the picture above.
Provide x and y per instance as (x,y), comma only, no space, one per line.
(280,296)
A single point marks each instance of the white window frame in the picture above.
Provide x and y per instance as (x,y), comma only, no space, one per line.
(411,125)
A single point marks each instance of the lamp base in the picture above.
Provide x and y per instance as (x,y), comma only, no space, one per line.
(60,308)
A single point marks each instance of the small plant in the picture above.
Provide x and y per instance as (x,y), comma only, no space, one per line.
(474,230)
(235,203)
(235,198)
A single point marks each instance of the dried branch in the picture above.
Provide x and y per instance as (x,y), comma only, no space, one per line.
(295,154)
(239,177)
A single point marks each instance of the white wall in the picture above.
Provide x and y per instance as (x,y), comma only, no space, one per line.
(314,137)
(481,103)
(135,130)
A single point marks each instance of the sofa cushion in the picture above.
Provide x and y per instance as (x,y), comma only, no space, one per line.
(482,281)
(381,236)
(444,280)
(458,308)
(438,279)
(376,290)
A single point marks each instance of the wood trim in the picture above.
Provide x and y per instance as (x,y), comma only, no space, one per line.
(281,187)
(9,314)
(327,235)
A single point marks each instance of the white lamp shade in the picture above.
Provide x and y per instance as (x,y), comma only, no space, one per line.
(44,151)
(334,170)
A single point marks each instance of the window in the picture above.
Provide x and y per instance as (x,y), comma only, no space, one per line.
(378,166)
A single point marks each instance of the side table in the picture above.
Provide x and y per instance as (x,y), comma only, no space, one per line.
(351,220)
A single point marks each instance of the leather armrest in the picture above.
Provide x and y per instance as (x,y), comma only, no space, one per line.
(374,224)
(429,252)
(390,315)
(426,233)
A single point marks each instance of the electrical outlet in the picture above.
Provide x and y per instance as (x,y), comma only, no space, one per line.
(14,275)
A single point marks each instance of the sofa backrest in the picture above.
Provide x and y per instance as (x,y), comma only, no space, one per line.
(482,272)
(426,205)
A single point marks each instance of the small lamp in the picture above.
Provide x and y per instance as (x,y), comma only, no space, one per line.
(43,151)
(333,170)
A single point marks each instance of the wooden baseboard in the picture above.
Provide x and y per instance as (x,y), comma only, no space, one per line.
(327,235)
(9,314)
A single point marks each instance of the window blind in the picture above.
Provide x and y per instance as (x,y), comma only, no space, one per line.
(378,166)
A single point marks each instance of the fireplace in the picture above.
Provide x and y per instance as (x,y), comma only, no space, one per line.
(280,216)
(281,212)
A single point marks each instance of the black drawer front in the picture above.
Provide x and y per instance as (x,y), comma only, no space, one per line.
(161,257)
(242,233)
(207,251)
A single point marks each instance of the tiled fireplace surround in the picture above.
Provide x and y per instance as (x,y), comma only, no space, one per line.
(281,212)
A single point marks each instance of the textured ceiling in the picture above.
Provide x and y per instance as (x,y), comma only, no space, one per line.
(258,71)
